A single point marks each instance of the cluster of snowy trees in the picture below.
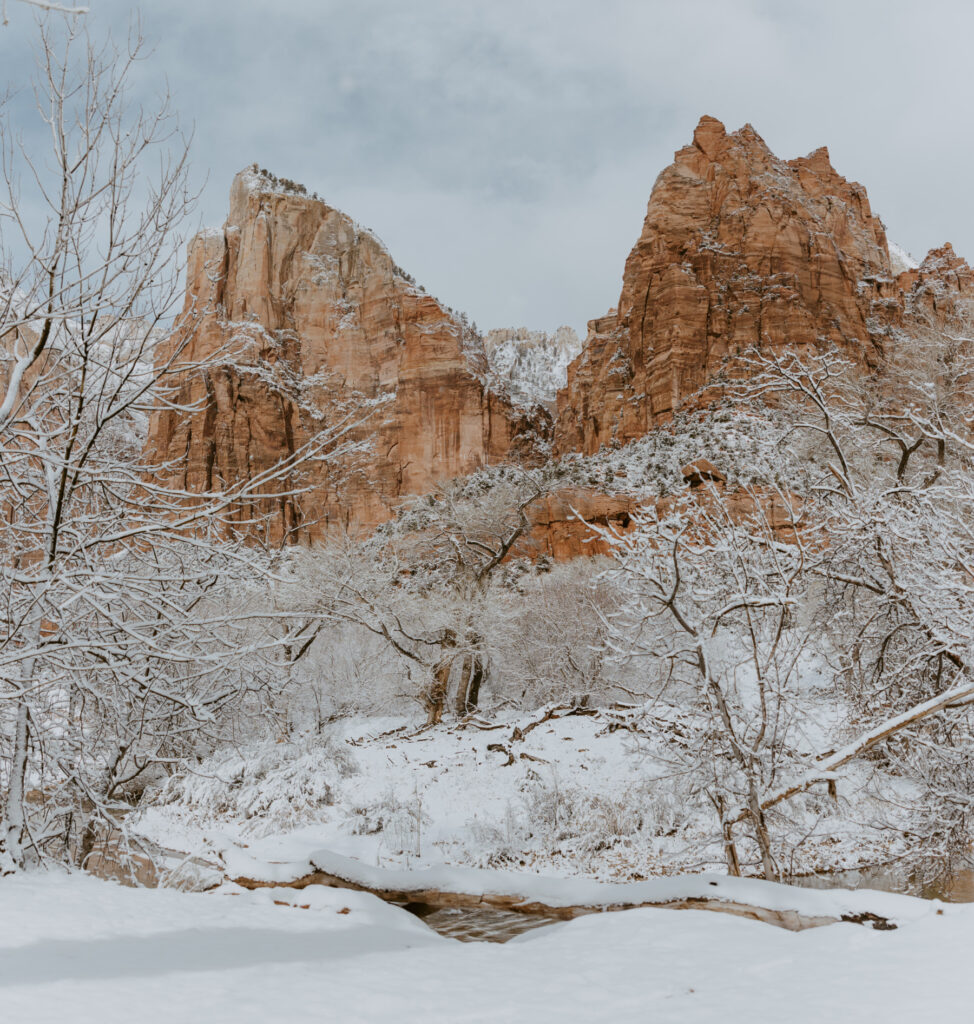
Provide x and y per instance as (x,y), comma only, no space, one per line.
(859,560)
(777,636)
(447,604)
(129,634)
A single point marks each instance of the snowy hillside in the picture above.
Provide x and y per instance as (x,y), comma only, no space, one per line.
(562,791)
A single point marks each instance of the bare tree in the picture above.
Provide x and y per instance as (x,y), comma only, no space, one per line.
(422,582)
(890,477)
(713,614)
(130,621)
(547,632)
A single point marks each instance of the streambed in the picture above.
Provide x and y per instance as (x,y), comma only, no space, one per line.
(956,888)
(489,924)
(479,924)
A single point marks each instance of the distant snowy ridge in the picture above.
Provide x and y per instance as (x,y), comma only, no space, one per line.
(532,364)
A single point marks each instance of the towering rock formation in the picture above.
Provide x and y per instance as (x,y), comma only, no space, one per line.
(305,312)
(739,248)
(313,315)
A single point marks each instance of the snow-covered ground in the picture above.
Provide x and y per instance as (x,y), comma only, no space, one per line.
(551,791)
(74,948)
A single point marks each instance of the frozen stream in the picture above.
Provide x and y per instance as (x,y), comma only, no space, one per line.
(487,924)
(959,888)
(495,925)
(479,924)
(76,948)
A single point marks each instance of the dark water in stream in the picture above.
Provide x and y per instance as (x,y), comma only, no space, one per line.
(479,924)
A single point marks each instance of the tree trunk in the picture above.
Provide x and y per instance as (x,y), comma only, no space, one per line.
(761,834)
(730,847)
(754,809)
(476,679)
(13,811)
(436,694)
(468,687)
(88,836)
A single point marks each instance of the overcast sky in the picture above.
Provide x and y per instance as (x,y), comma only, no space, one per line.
(505,151)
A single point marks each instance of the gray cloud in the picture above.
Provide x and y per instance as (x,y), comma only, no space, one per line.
(505,151)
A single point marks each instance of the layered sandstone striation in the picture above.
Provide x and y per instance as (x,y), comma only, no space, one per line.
(303,318)
(741,249)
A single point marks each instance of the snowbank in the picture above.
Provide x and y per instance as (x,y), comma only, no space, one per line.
(818,906)
(86,951)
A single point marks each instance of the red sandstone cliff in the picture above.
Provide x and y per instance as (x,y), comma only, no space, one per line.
(316,311)
(740,248)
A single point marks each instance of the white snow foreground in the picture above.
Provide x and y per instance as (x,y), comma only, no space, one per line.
(74,948)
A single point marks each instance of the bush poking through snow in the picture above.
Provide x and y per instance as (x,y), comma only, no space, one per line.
(270,787)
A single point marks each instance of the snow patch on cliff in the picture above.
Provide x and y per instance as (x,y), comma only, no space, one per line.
(900,259)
